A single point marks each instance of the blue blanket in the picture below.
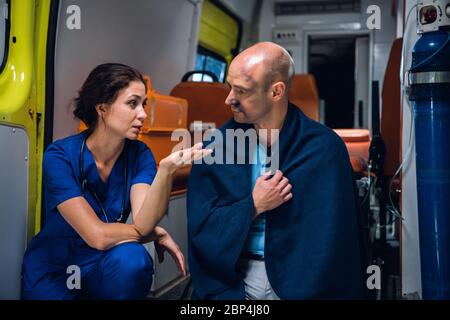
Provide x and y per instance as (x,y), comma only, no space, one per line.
(312,246)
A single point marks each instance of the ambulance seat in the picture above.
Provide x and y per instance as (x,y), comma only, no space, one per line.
(304,94)
(164,115)
(357,142)
(206,101)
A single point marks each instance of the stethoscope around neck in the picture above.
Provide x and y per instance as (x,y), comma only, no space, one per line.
(85,183)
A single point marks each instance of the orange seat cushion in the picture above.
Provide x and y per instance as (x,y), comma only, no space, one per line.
(304,95)
(357,142)
(206,101)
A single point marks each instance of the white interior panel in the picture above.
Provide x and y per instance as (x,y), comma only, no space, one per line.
(153,36)
(13,208)
(411,273)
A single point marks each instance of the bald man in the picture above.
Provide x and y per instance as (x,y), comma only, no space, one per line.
(288,234)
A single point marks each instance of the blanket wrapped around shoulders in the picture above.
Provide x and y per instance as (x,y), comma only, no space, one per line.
(312,246)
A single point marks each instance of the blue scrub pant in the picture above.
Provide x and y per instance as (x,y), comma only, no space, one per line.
(123,272)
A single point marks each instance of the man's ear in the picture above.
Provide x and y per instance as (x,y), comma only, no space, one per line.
(278,90)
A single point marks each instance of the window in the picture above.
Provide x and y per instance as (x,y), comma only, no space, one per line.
(4,32)
(220,30)
(210,62)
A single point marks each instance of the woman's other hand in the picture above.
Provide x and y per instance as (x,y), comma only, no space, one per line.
(166,243)
(184,157)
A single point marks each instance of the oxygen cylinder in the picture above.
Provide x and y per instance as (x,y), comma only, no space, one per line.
(429,79)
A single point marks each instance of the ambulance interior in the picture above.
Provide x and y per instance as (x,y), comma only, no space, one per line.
(351,57)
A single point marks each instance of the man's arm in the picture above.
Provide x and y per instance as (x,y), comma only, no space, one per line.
(217,232)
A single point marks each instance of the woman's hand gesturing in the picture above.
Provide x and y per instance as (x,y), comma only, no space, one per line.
(184,157)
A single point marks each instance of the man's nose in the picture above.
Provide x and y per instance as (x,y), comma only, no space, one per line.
(230,98)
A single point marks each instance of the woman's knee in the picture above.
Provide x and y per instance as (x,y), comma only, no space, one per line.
(124,272)
(129,258)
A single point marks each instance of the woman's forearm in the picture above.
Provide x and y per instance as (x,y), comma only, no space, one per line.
(144,227)
(113,234)
(152,204)
(155,203)
(117,233)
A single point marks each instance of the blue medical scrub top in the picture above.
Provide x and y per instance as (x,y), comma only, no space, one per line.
(58,245)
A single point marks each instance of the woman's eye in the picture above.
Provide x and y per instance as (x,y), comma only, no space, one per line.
(132,103)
